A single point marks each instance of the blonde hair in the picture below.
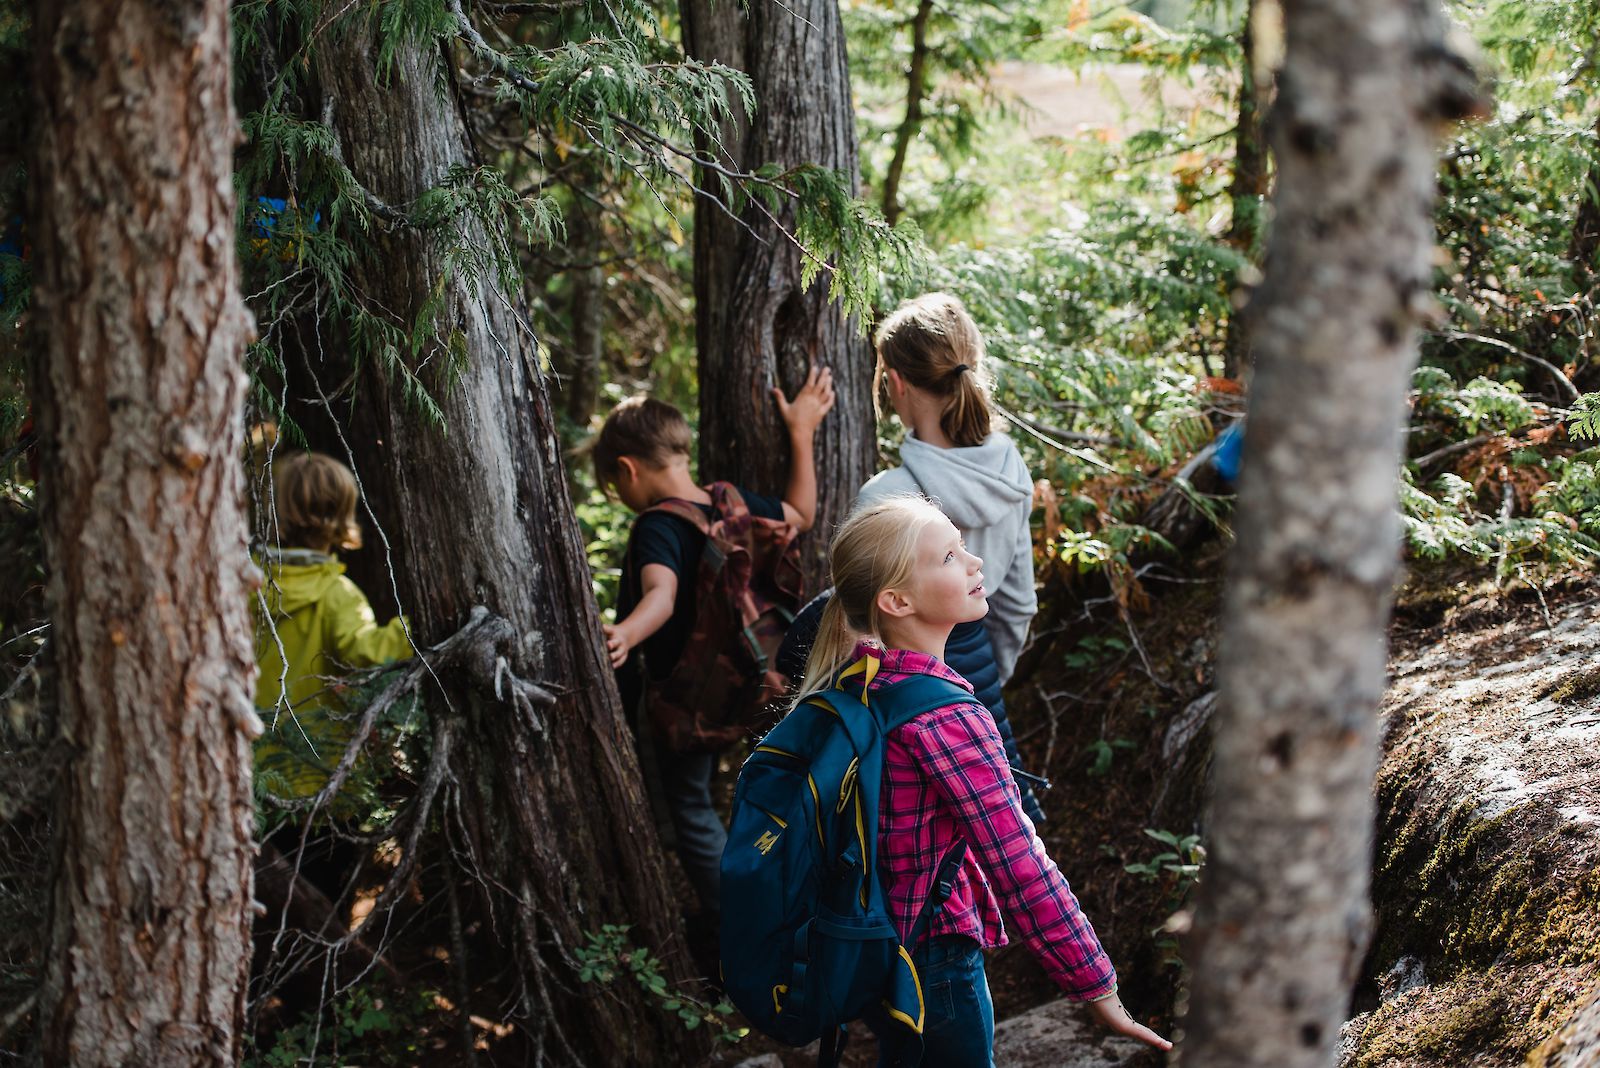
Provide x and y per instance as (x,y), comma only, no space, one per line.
(874,550)
(934,345)
(642,427)
(315,500)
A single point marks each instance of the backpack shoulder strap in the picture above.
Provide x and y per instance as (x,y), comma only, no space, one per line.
(688,511)
(848,710)
(727,500)
(903,702)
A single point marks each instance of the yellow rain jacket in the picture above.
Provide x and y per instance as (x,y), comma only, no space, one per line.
(321,627)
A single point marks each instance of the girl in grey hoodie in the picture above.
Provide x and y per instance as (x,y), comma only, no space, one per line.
(932,366)
(931,358)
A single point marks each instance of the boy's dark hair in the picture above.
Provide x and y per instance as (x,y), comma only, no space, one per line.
(652,430)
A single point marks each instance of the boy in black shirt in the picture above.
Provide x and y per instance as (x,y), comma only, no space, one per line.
(642,452)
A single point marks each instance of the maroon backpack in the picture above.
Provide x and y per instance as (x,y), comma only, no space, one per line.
(726,685)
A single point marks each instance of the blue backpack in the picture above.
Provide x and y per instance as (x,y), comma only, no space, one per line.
(807,942)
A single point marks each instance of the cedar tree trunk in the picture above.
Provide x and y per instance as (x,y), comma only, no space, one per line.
(548,796)
(1283,918)
(755,327)
(140,394)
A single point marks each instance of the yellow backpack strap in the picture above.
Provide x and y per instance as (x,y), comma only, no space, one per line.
(867,667)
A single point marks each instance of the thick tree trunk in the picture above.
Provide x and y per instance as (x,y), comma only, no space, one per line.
(550,801)
(1283,918)
(756,327)
(140,397)
(1246,192)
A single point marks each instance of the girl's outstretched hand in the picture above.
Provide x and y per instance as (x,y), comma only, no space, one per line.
(1113,1017)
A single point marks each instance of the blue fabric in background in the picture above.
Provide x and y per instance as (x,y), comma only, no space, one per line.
(10,245)
(275,220)
(1230,449)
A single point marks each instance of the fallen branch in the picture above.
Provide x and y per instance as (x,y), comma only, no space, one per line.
(478,648)
(1505,346)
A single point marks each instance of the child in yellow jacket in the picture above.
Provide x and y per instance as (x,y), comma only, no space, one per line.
(312,625)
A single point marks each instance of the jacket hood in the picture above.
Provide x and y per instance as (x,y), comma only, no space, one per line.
(296,578)
(978,485)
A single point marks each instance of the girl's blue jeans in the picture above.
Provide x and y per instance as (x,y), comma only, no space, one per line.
(958,1028)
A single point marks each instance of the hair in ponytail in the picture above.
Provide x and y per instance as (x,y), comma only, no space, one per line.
(933,344)
(874,550)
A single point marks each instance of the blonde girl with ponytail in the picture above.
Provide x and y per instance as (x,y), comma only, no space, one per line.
(903,580)
(933,369)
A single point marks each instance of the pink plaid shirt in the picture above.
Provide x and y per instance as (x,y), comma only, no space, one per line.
(945,777)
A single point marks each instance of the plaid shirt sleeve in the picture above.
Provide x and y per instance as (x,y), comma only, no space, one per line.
(963,756)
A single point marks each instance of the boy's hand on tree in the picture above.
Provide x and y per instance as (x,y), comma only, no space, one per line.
(815,399)
(1110,1014)
(617,644)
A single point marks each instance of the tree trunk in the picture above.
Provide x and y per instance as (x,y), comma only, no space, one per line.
(579,365)
(755,327)
(550,803)
(1283,919)
(916,89)
(715,31)
(1247,192)
(140,398)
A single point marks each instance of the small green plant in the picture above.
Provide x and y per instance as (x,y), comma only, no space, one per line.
(1183,859)
(1093,651)
(1178,869)
(605,524)
(1102,753)
(1446,521)
(1583,421)
(1109,546)
(1482,405)
(360,1026)
(607,955)
(1575,491)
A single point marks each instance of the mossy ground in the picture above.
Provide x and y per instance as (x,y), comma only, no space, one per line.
(1499,901)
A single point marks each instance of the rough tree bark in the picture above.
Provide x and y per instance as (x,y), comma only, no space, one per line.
(1282,919)
(550,802)
(140,399)
(755,327)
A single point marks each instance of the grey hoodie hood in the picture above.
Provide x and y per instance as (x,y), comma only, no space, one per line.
(977,486)
(987,493)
